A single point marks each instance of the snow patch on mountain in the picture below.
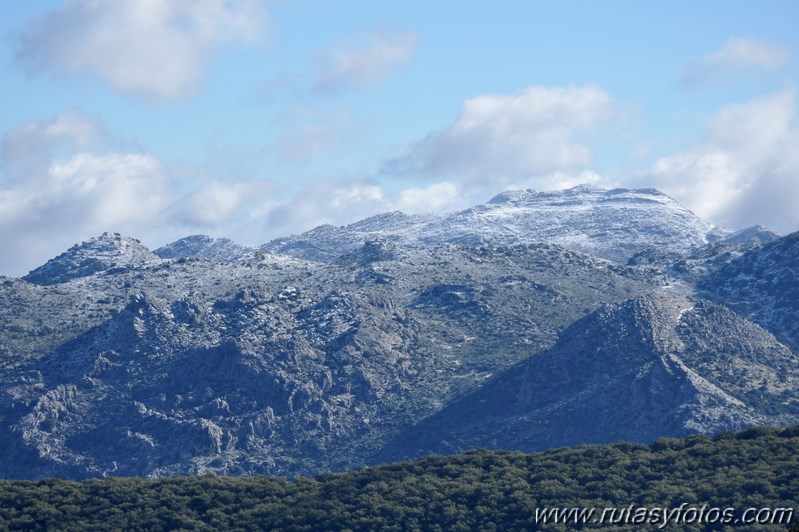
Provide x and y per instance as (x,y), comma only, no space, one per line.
(612,224)
(203,247)
(101,253)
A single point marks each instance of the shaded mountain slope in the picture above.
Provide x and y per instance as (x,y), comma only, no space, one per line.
(762,285)
(656,365)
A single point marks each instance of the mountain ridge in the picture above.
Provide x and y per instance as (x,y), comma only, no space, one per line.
(583,218)
(375,340)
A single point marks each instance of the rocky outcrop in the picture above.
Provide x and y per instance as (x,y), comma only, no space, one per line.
(109,250)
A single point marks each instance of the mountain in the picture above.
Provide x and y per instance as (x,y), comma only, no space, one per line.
(278,365)
(109,250)
(757,235)
(761,284)
(203,247)
(36,319)
(693,265)
(394,336)
(613,224)
(656,365)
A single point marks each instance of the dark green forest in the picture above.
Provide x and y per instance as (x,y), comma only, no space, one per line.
(478,490)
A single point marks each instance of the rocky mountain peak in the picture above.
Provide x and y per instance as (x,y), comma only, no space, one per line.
(101,253)
(204,247)
(755,235)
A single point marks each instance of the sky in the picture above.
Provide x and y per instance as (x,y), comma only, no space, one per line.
(255,119)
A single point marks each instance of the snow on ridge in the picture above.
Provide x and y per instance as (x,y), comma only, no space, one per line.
(203,246)
(613,224)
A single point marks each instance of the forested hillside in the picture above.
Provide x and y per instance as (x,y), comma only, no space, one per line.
(478,490)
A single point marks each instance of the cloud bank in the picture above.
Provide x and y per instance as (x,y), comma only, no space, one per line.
(507,138)
(66,179)
(150,49)
(745,172)
(60,182)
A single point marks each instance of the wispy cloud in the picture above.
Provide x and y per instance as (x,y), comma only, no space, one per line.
(507,138)
(345,67)
(307,133)
(736,56)
(156,50)
(745,172)
(29,148)
(215,203)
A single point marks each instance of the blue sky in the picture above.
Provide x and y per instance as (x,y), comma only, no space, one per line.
(252,119)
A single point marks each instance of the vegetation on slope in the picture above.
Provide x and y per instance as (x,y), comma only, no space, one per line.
(479,490)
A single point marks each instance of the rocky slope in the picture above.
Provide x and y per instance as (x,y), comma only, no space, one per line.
(277,365)
(652,366)
(761,284)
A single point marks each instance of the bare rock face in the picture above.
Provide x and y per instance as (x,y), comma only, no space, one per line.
(652,366)
(164,388)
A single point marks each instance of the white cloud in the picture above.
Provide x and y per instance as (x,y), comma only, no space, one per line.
(437,197)
(503,139)
(82,184)
(64,181)
(216,203)
(73,199)
(27,149)
(323,202)
(340,203)
(153,49)
(363,65)
(745,172)
(734,57)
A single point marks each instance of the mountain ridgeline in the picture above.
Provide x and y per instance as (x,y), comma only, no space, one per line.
(534,321)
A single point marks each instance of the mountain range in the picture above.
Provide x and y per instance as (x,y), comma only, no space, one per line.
(612,224)
(536,320)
